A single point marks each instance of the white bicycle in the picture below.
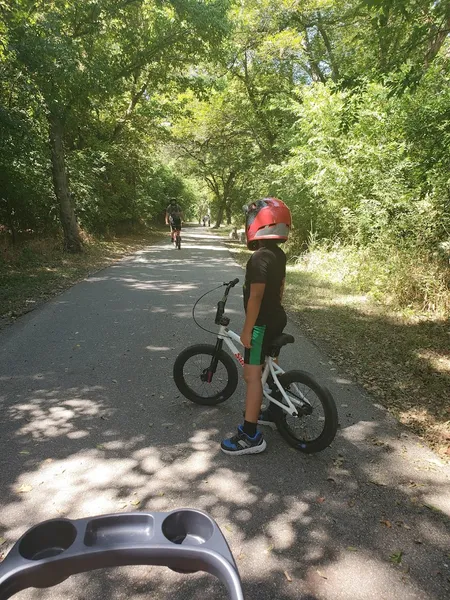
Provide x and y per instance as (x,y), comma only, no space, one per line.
(303,411)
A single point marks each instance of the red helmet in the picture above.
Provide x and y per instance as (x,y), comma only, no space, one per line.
(267,219)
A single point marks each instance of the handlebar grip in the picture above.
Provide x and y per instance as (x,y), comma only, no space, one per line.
(234,282)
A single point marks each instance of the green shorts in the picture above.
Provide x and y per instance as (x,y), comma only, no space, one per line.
(262,337)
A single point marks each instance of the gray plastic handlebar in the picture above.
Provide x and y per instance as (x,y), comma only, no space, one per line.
(184,540)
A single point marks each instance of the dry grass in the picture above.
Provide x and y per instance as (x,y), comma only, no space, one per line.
(37,269)
(402,357)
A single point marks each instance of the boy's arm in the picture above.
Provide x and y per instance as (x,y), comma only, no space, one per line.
(253,306)
(282,290)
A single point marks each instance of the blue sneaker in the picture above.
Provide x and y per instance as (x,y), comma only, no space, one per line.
(241,443)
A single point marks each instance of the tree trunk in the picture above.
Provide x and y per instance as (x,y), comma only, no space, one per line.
(228,213)
(72,240)
(326,41)
(219,216)
(12,226)
(315,70)
(436,43)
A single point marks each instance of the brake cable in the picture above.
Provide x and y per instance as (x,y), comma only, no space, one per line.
(193,309)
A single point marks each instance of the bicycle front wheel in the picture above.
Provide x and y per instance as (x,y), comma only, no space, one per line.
(316,424)
(190,373)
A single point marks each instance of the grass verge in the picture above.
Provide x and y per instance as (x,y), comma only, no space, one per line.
(38,269)
(401,358)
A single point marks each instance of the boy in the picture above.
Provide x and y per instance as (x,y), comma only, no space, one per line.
(268,222)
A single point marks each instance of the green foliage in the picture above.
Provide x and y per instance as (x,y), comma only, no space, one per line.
(100,68)
(121,190)
(340,107)
(25,197)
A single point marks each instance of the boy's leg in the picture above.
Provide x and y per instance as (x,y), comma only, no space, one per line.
(254,396)
(276,329)
(248,440)
(254,361)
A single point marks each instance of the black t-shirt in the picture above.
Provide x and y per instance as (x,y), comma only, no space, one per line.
(267,265)
(174,210)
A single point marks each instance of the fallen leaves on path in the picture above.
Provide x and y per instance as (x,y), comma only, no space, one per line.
(396,557)
(431,507)
(377,442)
(402,524)
(380,483)
(23,489)
(338,462)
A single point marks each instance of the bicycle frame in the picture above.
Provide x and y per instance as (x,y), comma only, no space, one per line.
(270,367)
(175,234)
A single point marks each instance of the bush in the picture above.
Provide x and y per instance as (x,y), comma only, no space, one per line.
(402,278)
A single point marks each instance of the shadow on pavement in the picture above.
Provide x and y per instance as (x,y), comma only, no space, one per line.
(107,431)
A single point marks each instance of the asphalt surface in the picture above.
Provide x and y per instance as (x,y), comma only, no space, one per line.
(91,422)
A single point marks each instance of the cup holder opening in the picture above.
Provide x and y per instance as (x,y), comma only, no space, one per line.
(47,540)
(188,527)
(124,529)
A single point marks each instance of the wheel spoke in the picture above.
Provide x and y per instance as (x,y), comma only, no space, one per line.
(306,427)
(193,371)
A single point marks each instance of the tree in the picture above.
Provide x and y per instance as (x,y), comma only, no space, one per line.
(80,55)
(216,149)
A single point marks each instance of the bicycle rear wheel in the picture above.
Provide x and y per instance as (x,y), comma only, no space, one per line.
(316,424)
(190,373)
(178,241)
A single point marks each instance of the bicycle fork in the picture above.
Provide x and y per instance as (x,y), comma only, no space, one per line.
(208,373)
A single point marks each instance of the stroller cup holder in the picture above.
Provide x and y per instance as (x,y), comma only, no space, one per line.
(184,540)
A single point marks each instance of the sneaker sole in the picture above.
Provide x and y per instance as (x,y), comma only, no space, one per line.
(252,450)
(267,424)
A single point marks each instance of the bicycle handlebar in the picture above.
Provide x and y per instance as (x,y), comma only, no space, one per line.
(184,540)
(231,284)
(221,304)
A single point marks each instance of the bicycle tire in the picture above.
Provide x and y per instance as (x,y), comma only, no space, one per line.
(206,350)
(178,242)
(330,420)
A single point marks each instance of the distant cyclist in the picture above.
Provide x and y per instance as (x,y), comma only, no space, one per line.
(174,217)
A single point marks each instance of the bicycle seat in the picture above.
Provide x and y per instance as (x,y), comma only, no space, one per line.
(279,342)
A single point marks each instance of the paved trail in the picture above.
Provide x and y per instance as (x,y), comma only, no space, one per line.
(91,422)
